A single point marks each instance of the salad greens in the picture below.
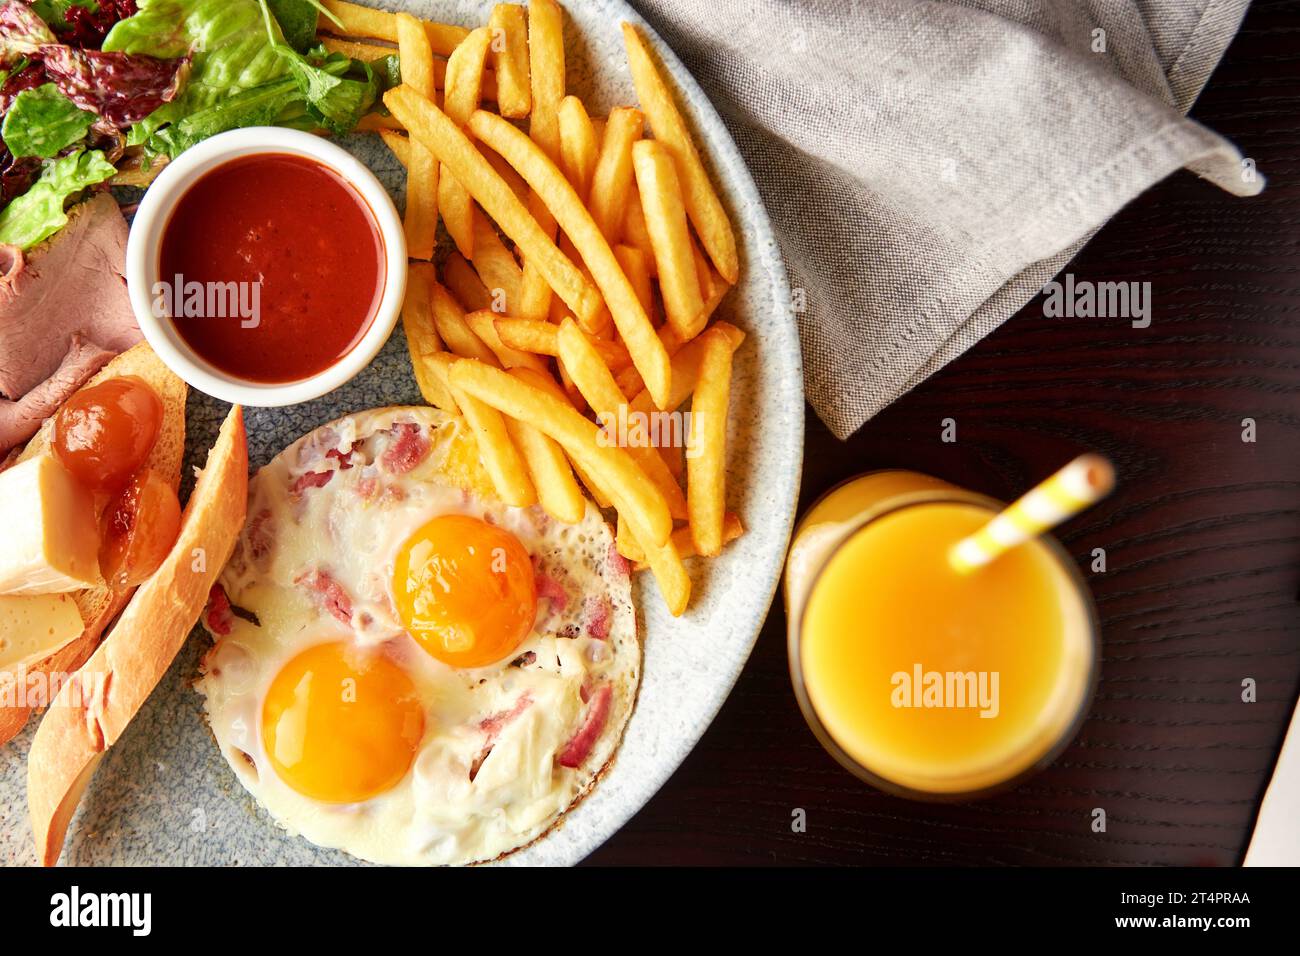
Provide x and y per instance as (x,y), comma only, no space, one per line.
(43,122)
(39,213)
(83,80)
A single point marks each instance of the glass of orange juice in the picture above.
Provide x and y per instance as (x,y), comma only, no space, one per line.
(923,681)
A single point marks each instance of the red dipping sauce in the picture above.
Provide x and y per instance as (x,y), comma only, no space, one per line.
(271,268)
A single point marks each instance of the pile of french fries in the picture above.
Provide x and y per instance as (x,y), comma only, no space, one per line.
(586,262)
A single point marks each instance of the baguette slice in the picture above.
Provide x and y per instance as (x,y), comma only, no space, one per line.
(100,605)
(80,726)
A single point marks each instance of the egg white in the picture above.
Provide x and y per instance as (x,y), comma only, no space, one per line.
(351,528)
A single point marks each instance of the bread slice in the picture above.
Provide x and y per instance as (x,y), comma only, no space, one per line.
(94,707)
(100,605)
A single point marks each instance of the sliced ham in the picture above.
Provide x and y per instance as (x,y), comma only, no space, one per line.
(64,312)
(20,420)
(72,283)
(579,746)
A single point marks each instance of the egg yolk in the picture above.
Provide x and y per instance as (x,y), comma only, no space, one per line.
(341,724)
(464,590)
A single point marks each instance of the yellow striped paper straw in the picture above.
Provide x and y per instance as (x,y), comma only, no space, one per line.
(1081,483)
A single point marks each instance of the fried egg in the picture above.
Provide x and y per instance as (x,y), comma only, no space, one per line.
(403,667)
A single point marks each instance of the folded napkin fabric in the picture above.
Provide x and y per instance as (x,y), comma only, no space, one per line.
(930,166)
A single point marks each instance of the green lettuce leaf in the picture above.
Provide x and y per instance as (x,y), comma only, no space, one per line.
(231,54)
(39,213)
(43,122)
(337,98)
(297,19)
(275,103)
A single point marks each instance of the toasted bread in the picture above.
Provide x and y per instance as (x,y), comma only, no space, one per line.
(100,605)
(94,707)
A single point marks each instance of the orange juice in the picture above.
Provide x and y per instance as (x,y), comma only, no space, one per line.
(920,679)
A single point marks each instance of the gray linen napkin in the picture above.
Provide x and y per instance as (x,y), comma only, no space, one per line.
(930,166)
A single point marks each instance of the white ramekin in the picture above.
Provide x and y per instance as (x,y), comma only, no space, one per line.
(151,219)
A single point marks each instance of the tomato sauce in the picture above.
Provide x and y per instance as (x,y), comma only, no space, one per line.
(271,267)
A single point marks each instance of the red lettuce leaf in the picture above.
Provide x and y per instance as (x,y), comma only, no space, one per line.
(123,88)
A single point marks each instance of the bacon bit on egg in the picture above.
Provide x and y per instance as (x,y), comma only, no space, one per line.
(492,726)
(219,618)
(576,751)
(312,479)
(368,488)
(407,450)
(331,594)
(344,458)
(549,588)
(598,612)
(618,564)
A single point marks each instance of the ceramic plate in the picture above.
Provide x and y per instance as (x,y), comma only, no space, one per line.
(164,795)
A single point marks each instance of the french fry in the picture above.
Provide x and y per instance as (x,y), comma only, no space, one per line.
(465,284)
(596,383)
(557,490)
(430,125)
(685,367)
(463,86)
(421,220)
(357,49)
(706,466)
(437,365)
(529,335)
(355,20)
(378,123)
(732,528)
(670,237)
(465,70)
(500,457)
(546,76)
(422,339)
(509,27)
(548,384)
(702,203)
(627,545)
(611,180)
(512,179)
(399,143)
(546,73)
(578,145)
(542,338)
(484,326)
(495,266)
(712,286)
(615,470)
(638,273)
(545,178)
(635,232)
(665,563)
(449,320)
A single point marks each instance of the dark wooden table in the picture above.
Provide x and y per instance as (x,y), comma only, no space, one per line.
(1202,588)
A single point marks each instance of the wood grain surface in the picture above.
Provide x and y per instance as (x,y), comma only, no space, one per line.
(1202,588)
